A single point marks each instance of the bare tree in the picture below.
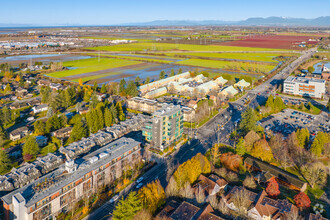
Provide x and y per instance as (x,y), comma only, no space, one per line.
(314,173)
(187,191)
(232,177)
(294,215)
(222,207)
(241,202)
(221,172)
(172,188)
(144,214)
(249,182)
(200,195)
(213,201)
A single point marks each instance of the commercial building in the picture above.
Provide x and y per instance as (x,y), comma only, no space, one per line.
(58,190)
(302,86)
(165,127)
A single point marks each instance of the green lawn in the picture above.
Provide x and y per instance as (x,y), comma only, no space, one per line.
(262,57)
(168,47)
(226,65)
(50,148)
(91,65)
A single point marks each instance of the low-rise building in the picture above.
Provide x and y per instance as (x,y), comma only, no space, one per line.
(18,133)
(242,84)
(229,91)
(302,86)
(41,140)
(143,104)
(46,197)
(40,108)
(155,93)
(21,92)
(62,133)
(165,127)
(210,185)
(268,171)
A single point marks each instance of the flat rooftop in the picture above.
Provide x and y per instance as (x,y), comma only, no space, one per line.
(167,110)
(59,178)
(303,80)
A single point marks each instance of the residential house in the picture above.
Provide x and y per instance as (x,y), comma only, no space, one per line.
(229,91)
(18,105)
(44,82)
(40,108)
(242,84)
(62,133)
(21,92)
(210,185)
(18,133)
(41,140)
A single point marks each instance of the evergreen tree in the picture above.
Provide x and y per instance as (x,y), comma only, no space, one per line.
(122,87)
(318,144)
(270,102)
(5,162)
(148,81)
(328,105)
(30,147)
(39,127)
(127,208)
(107,117)
(162,75)
(7,90)
(131,89)
(50,112)
(45,94)
(303,137)
(137,81)
(240,147)
(3,132)
(99,110)
(114,113)
(278,104)
(103,89)
(248,121)
(179,71)
(79,130)
(172,72)
(94,101)
(70,96)
(121,115)
(95,86)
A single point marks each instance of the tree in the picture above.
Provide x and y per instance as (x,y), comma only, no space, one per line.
(328,105)
(103,89)
(147,80)
(171,188)
(107,117)
(122,87)
(144,214)
(311,69)
(319,142)
(314,173)
(95,86)
(292,141)
(240,147)
(70,96)
(187,192)
(262,150)
(270,102)
(31,147)
(215,153)
(132,89)
(121,115)
(45,94)
(205,74)
(39,127)
(5,162)
(303,137)
(7,90)
(302,200)
(172,72)
(241,202)
(248,121)
(81,82)
(127,208)
(200,195)
(79,130)
(272,188)
(152,196)
(249,182)
(278,104)
(179,71)
(137,81)
(162,75)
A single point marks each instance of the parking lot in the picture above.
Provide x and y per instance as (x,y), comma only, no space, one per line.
(290,120)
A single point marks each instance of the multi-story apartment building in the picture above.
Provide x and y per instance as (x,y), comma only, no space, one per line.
(165,127)
(302,86)
(58,190)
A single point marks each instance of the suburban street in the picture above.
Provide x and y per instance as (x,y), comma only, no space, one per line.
(215,130)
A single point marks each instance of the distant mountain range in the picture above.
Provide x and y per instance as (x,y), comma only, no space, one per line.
(270,21)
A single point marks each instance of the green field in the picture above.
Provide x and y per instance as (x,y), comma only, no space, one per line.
(169,47)
(91,65)
(261,57)
(88,78)
(151,59)
(239,66)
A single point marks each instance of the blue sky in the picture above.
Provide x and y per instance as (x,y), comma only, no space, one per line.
(107,12)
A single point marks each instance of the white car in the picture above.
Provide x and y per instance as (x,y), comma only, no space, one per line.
(140,179)
(115,198)
(139,186)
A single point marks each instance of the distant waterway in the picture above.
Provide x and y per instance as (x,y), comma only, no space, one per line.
(31,58)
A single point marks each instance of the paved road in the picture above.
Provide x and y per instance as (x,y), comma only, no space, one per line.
(216,130)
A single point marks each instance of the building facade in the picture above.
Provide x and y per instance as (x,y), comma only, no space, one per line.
(302,86)
(58,190)
(165,127)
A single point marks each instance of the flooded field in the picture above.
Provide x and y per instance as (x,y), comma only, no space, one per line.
(318,66)
(31,58)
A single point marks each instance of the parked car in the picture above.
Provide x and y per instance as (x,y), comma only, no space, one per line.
(139,186)
(140,179)
(115,198)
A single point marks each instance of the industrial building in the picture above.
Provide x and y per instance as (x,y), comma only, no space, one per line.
(302,86)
